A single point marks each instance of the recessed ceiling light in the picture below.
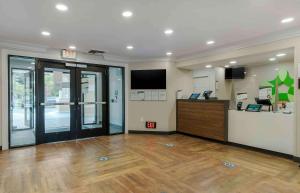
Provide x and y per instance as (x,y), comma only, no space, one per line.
(127,14)
(281,55)
(169,53)
(227,66)
(272,59)
(32,63)
(72,47)
(169,31)
(210,42)
(287,20)
(208,66)
(61,7)
(233,62)
(45,33)
(254,75)
(129,47)
(276,69)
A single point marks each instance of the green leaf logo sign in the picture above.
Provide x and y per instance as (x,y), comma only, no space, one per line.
(283,79)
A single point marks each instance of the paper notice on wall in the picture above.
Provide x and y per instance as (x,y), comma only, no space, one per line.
(162,95)
(148,95)
(155,95)
(265,93)
(137,95)
(241,96)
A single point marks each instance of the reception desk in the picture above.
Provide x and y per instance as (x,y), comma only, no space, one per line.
(203,118)
(264,130)
(212,119)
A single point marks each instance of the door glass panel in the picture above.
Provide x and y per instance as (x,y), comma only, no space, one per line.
(91,98)
(22,111)
(116,100)
(57,93)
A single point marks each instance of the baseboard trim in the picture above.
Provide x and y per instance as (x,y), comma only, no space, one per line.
(296,159)
(152,132)
(269,152)
(265,151)
(200,137)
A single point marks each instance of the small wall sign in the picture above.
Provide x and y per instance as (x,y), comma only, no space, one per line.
(68,54)
(150,125)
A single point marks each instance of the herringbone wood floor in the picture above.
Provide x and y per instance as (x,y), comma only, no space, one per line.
(143,164)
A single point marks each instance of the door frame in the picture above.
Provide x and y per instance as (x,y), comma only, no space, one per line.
(37,59)
(41,136)
(105,97)
(9,100)
(75,113)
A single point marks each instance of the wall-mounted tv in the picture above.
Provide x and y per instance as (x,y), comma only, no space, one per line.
(235,73)
(148,79)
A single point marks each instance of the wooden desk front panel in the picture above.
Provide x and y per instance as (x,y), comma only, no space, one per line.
(204,119)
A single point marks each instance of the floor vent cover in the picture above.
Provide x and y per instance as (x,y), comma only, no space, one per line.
(103,158)
(229,165)
(169,145)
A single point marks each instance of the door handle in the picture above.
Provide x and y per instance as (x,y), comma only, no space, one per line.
(53,104)
(92,103)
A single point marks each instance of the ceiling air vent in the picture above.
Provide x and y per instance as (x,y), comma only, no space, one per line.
(96,52)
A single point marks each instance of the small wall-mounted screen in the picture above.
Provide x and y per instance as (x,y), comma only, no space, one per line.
(235,73)
(148,79)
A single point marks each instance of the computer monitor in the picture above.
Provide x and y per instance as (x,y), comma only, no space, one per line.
(207,94)
(194,96)
(264,102)
(254,108)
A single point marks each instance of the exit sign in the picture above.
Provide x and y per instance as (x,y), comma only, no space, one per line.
(68,54)
(150,125)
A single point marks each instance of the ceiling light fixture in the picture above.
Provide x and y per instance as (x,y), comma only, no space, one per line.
(287,20)
(72,47)
(272,59)
(233,62)
(210,42)
(129,47)
(169,31)
(226,66)
(45,33)
(208,66)
(276,69)
(169,53)
(127,14)
(61,7)
(281,55)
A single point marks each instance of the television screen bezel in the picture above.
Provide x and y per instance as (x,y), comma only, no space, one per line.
(161,88)
(235,78)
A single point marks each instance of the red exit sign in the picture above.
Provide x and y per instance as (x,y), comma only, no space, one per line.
(150,125)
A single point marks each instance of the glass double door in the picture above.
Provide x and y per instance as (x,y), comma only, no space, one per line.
(71,101)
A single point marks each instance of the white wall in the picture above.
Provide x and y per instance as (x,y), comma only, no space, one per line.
(210,73)
(262,73)
(163,112)
(287,43)
(49,54)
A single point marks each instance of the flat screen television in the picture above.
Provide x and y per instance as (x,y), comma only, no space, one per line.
(235,73)
(148,79)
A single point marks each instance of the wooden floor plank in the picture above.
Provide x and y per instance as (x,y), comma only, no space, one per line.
(144,164)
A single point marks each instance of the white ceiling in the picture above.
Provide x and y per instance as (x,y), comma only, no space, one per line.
(98,24)
(252,60)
